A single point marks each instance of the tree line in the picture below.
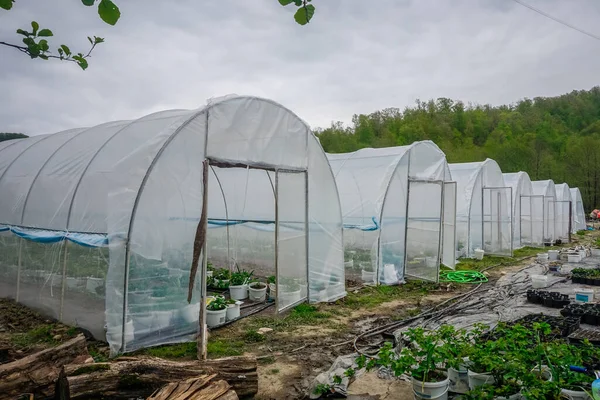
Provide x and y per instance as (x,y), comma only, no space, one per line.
(554,138)
(9,136)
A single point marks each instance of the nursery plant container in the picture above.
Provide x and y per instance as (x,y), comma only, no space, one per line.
(553,255)
(584,295)
(233,311)
(272,291)
(209,274)
(476,379)
(542,257)
(214,318)
(287,297)
(544,372)
(93,283)
(539,281)
(573,257)
(582,254)
(349,264)
(238,292)
(190,313)
(258,292)
(479,254)
(222,283)
(575,394)
(431,390)
(459,380)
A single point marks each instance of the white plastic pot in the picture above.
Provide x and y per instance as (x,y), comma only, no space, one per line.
(584,295)
(209,274)
(477,379)
(479,254)
(553,255)
(190,313)
(233,311)
(575,394)
(574,257)
(76,283)
(258,294)
(238,292)
(272,291)
(539,281)
(368,276)
(542,257)
(93,283)
(459,381)
(214,318)
(595,252)
(430,390)
(544,372)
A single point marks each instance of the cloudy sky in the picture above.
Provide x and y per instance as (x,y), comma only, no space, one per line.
(354,57)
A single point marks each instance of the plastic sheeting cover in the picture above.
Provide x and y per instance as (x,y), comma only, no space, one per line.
(577,210)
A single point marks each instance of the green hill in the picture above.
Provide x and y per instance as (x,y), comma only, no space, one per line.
(9,136)
(549,137)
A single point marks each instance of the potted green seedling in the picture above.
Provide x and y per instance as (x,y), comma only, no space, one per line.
(221,278)
(233,309)
(216,312)
(238,284)
(272,287)
(258,291)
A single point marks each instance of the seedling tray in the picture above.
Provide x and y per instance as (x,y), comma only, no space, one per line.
(588,312)
(561,326)
(548,299)
(581,334)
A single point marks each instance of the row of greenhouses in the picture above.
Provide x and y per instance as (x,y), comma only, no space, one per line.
(98,225)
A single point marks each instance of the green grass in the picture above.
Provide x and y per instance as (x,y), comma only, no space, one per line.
(581,233)
(302,314)
(225,348)
(273,371)
(469,264)
(41,334)
(252,336)
(373,296)
(172,351)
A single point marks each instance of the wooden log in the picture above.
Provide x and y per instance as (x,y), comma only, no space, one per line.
(37,372)
(204,387)
(141,377)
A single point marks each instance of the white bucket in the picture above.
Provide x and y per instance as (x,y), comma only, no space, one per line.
(214,318)
(190,313)
(539,281)
(596,252)
(584,295)
(287,298)
(368,276)
(389,274)
(272,291)
(542,257)
(239,292)
(476,379)
(257,294)
(459,380)
(479,254)
(573,257)
(430,390)
(553,255)
(575,394)
(233,311)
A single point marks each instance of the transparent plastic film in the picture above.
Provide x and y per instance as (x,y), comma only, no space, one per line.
(449,226)
(497,221)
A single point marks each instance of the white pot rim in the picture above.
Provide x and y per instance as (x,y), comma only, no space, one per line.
(237,286)
(251,286)
(215,312)
(443,383)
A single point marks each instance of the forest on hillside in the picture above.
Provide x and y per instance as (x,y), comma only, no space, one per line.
(554,138)
(9,136)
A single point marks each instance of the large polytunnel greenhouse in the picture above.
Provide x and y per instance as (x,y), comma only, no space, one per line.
(99,223)
(483,209)
(547,190)
(563,216)
(528,218)
(398,207)
(577,211)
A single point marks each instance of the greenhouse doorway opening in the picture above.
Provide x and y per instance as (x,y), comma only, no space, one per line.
(549,220)
(423,238)
(563,210)
(532,220)
(258,222)
(497,223)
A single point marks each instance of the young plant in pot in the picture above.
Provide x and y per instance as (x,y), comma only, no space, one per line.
(216,312)
(233,309)
(220,278)
(258,291)
(238,284)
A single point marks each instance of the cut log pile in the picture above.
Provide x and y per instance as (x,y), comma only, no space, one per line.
(127,377)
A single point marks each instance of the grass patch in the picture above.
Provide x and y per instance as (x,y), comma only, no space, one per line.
(302,314)
(581,233)
(98,352)
(373,296)
(266,360)
(469,264)
(41,334)
(252,336)
(172,351)
(225,348)
(273,371)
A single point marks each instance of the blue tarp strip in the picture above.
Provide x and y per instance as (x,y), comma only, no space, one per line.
(365,228)
(46,236)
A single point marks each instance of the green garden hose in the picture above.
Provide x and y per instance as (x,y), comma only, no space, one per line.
(462,277)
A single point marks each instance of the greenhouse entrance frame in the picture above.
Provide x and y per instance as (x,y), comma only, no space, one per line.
(536,225)
(437,215)
(495,199)
(562,210)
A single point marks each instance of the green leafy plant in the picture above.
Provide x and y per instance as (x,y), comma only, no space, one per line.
(36,44)
(222,274)
(219,303)
(323,389)
(305,10)
(271,279)
(240,277)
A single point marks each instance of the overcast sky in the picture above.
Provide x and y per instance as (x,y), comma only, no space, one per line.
(354,57)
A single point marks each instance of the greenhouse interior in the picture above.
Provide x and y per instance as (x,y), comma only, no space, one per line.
(528,219)
(563,208)
(483,209)
(546,189)
(577,211)
(398,207)
(99,224)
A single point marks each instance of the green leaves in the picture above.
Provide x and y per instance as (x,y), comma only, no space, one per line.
(65,49)
(304,14)
(109,12)
(6,4)
(305,10)
(81,61)
(35,27)
(88,3)
(45,33)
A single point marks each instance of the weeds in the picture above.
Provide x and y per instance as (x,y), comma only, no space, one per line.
(373,296)
(180,350)
(41,334)
(225,348)
(252,336)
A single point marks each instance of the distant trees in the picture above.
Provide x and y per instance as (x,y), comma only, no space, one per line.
(550,138)
(9,136)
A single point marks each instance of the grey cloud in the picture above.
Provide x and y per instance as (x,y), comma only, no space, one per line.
(355,57)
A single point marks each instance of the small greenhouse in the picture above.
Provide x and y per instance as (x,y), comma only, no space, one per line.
(528,218)
(99,224)
(563,212)
(577,211)
(398,207)
(546,189)
(483,209)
